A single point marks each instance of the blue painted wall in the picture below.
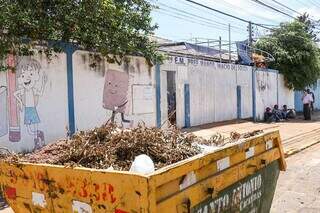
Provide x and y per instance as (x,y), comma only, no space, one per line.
(239,102)
(158,95)
(187,122)
(69,51)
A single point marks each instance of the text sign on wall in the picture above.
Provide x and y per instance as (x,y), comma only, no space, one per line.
(179,60)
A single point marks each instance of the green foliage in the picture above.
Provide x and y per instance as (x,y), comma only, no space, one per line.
(310,25)
(113,28)
(296,54)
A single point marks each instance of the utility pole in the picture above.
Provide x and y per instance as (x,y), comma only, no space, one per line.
(254,111)
(229,27)
(250,39)
(220,49)
(250,33)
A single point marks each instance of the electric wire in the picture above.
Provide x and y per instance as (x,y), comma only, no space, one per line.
(285,6)
(197,16)
(226,14)
(186,18)
(273,8)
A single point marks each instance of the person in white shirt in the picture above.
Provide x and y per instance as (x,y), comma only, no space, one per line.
(306,100)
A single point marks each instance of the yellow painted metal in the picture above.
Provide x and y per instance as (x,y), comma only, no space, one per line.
(48,188)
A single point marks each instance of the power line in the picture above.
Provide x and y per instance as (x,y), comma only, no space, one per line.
(186,18)
(250,12)
(202,10)
(302,3)
(195,19)
(192,18)
(272,8)
(200,17)
(226,14)
(283,5)
(314,3)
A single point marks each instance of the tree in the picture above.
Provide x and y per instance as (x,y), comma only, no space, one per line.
(296,54)
(114,28)
(310,25)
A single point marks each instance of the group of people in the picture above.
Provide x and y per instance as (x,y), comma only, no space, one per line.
(308,101)
(277,115)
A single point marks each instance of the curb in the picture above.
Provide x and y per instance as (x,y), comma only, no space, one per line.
(295,151)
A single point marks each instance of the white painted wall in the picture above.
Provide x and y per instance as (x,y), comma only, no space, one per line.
(286,96)
(88,92)
(51,107)
(213,90)
(244,79)
(213,95)
(266,91)
(271,90)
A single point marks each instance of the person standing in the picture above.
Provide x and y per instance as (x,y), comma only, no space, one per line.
(307,100)
(312,103)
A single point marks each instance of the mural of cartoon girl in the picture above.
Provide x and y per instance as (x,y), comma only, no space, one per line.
(31,83)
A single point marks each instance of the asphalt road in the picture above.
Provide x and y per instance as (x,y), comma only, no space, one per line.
(298,188)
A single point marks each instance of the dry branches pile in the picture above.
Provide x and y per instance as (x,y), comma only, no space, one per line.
(109,145)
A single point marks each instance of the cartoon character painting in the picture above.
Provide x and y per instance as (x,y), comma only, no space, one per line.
(115,93)
(31,83)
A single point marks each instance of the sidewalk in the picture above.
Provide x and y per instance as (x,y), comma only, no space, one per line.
(296,134)
(298,188)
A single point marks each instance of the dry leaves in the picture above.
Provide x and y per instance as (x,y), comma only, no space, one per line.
(109,145)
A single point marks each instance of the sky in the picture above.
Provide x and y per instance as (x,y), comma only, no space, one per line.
(180,20)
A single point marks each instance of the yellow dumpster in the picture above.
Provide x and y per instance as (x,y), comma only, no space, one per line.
(239,177)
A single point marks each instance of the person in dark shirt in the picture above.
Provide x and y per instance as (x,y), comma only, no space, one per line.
(268,115)
(284,112)
(313,100)
(277,113)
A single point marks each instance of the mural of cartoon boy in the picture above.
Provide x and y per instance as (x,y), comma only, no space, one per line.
(31,82)
(115,93)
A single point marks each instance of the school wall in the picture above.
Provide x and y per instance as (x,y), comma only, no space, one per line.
(266,91)
(213,90)
(89,87)
(271,90)
(51,107)
(286,95)
(73,95)
(220,92)
(72,98)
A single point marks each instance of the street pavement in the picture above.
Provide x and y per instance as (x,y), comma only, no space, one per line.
(298,188)
(296,134)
